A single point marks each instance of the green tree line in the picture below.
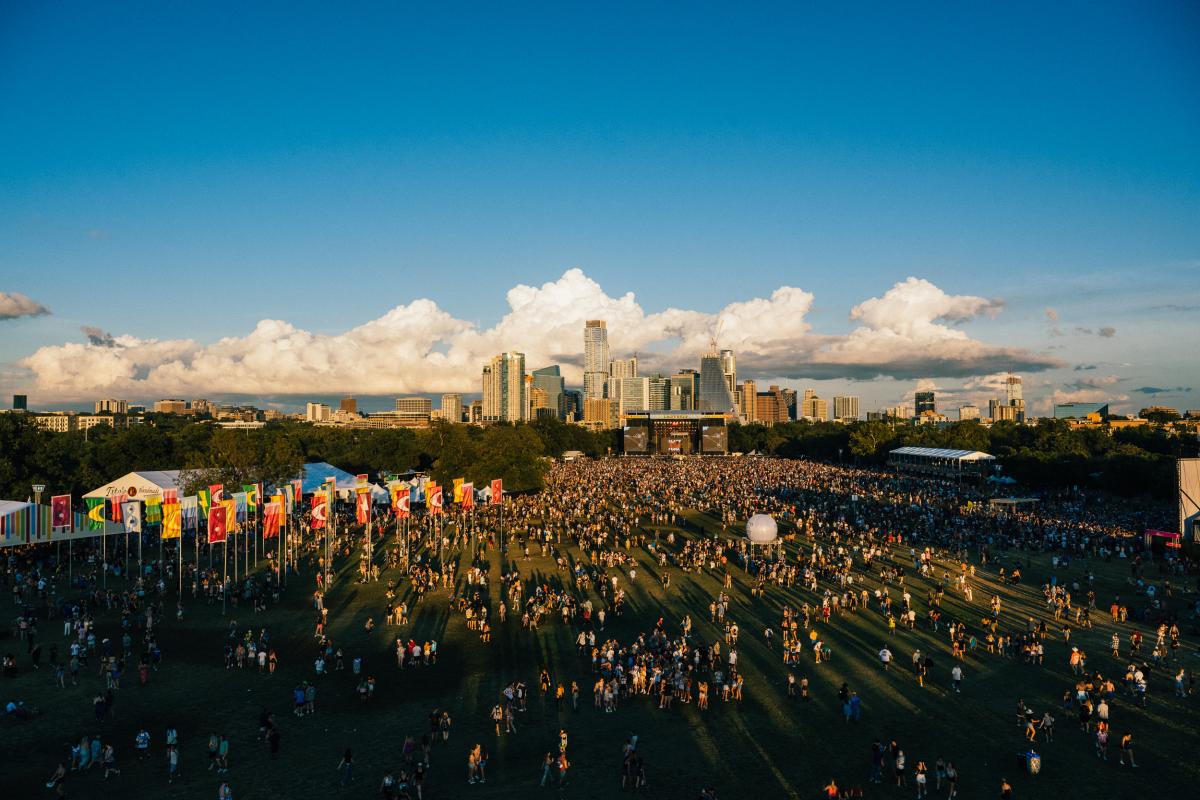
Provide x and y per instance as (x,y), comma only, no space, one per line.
(75,463)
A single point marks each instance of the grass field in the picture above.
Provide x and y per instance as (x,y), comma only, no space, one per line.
(764,747)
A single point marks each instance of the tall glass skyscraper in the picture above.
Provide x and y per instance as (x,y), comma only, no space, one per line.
(549,380)
(505,397)
(595,360)
(714,391)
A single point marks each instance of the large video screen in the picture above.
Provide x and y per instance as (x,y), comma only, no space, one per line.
(714,439)
(637,438)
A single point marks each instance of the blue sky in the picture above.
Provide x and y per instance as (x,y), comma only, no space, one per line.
(178,172)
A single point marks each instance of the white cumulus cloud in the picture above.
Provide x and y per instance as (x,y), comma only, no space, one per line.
(419,347)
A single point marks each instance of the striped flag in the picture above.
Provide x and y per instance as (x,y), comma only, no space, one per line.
(171,526)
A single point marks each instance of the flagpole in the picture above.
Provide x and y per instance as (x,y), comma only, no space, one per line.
(104,553)
(225,572)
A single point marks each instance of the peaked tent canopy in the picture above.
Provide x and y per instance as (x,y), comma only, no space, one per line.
(139,485)
(317,473)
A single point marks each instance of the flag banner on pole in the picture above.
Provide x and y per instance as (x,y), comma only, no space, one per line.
(114,503)
(131,515)
(361,479)
(458,490)
(189,509)
(216,524)
(497,497)
(468,495)
(362,504)
(153,513)
(298,490)
(231,523)
(435,498)
(251,492)
(61,507)
(241,504)
(320,509)
(217,492)
(272,517)
(95,513)
(402,503)
(289,497)
(170,496)
(204,496)
(172,521)
(420,483)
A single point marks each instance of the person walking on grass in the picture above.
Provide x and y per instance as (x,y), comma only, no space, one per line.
(1127,750)
(346,767)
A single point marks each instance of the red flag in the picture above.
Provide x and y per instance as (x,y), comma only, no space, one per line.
(60,511)
(435,499)
(298,488)
(272,516)
(216,524)
(497,492)
(216,493)
(115,504)
(468,495)
(362,506)
(319,510)
(170,496)
(402,500)
(361,478)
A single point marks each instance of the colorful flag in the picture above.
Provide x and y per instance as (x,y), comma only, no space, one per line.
(217,490)
(241,504)
(434,493)
(189,509)
(458,484)
(362,504)
(216,524)
(298,490)
(204,496)
(497,497)
(172,521)
(170,496)
(230,516)
(361,478)
(272,516)
(114,504)
(468,495)
(401,504)
(251,492)
(61,507)
(95,513)
(153,512)
(320,509)
(131,515)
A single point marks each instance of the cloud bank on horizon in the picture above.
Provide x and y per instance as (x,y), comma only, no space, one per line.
(906,333)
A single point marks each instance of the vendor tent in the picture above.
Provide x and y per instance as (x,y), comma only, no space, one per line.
(139,485)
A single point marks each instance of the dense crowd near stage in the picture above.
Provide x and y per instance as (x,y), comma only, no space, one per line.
(855,545)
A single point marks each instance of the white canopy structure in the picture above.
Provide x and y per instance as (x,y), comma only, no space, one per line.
(139,485)
(941,461)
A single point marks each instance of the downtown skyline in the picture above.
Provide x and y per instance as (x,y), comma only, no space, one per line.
(858,207)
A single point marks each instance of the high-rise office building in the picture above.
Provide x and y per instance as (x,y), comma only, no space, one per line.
(770,407)
(660,393)
(968,412)
(170,406)
(622,368)
(789,397)
(814,408)
(685,387)
(729,370)
(715,394)
(112,406)
(1012,389)
(845,408)
(630,394)
(452,407)
(316,412)
(20,402)
(572,405)
(550,380)
(749,403)
(414,405)
(595,359)
(505,396)
(348,405)
(925,403)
